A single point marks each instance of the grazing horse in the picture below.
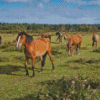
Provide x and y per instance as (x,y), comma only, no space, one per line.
(34,48)
(66,37)
(0,39)
(59,37)
(74,40)
(45,36)
(95,38)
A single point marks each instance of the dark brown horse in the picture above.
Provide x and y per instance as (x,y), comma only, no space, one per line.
(59,37)
(45,36)
(0,39)
(34,48)
(95,38)
(74,40)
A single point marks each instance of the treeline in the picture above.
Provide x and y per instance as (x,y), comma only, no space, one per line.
(11,28)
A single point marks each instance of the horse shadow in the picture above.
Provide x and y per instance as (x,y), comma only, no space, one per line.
(8,69)
(55,42)
(56,52)
(96,50)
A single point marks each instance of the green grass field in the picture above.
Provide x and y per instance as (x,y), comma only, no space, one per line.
(83,69)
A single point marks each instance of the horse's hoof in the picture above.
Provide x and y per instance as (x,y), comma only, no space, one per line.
(78,53)
(40,72)
(53,70)
(33,76)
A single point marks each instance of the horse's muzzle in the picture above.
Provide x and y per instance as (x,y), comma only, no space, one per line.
(18,46)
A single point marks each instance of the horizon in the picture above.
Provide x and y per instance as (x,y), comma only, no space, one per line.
(51,12)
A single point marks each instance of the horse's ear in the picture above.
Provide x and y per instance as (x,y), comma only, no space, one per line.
(17,32)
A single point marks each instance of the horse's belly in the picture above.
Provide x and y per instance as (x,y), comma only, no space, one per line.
(38,53)
(40,49)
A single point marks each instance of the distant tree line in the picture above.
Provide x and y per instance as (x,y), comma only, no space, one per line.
(11,28)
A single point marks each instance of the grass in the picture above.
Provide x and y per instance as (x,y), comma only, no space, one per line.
(14,85)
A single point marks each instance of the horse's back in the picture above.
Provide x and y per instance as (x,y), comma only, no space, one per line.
(75,38)
(43,41)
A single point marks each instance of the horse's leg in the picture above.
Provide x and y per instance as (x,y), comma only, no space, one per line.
(33,61)
(57,39)
(96,45)
(79,45)
(93,44)
(43,62)
(78,48)
(27,58)
(49,52)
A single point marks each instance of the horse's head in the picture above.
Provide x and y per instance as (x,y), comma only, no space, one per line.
(21,38)
(70,49)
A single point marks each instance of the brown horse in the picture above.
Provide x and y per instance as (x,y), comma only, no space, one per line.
(95,38)
(34,48)
(74,40)
(45,36)
(66,37)
(0,39)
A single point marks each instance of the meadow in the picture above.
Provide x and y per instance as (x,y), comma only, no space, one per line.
(75,78)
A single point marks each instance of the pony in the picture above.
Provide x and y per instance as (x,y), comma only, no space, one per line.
(34,48)
(74,40)
(0,39)
(45,36)
(95,38)
(59,37)
(66,37)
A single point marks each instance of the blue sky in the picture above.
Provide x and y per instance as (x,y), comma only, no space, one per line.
(50,11)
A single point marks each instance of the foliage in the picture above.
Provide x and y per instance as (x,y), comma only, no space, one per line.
(12,28)
(71,88)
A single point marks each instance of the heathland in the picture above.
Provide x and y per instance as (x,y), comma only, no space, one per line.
(75,78)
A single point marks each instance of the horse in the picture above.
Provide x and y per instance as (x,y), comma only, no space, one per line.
(45,36)
(74,40)
(34,48)
(95,38)
(66,37)
(0,39)
(59,37)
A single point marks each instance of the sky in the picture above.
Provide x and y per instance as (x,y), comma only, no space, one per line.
(50,11)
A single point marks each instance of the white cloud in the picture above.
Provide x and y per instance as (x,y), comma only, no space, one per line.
(14,1)
(41,5)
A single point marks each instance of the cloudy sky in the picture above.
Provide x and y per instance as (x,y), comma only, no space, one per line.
(50,11)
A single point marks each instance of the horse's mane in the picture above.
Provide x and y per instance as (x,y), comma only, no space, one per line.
(28,37)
